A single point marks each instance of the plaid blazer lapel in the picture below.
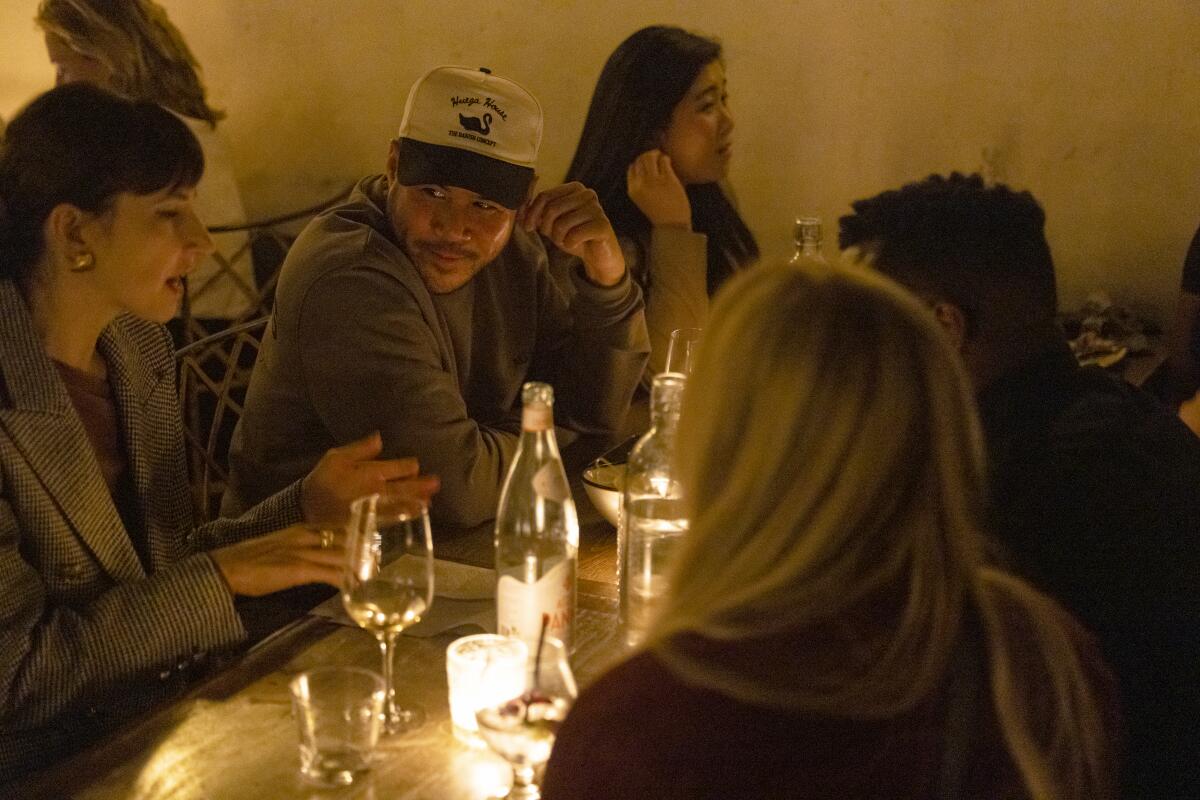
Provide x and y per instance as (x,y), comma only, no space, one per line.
(135,385)
(41,422)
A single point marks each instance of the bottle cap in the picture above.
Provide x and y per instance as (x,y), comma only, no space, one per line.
(807,230)
(666,393)
(538,401)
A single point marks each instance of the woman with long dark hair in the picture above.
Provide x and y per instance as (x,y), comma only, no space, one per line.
(110,597)
(656,148)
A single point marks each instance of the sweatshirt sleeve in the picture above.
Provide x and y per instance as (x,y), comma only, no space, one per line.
(370,362)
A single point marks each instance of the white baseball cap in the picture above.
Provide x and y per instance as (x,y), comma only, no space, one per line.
(469,128)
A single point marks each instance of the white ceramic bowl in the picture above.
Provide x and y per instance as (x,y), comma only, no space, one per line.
(604,484)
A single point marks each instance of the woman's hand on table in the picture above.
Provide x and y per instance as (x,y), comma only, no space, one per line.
(656,190)
(283,559)
(351,471)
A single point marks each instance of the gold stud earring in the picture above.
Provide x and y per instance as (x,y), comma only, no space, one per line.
(84,262)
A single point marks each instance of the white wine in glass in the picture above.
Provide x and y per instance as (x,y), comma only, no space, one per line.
(387,582)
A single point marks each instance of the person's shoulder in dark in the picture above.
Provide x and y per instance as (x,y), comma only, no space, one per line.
(625,736)
(1128,458)
(344,236)
(641,731)
(1085,447)
(1099,506)
(1104,404)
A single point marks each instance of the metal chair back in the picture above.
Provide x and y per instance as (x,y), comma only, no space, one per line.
(213,375)
(251,268)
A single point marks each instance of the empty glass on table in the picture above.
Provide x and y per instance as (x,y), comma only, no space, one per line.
(338,714)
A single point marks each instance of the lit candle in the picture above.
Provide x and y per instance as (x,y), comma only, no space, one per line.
(482,670)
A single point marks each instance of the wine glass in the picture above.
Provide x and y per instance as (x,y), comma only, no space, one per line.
(387,583)
(681,354)
(522,729)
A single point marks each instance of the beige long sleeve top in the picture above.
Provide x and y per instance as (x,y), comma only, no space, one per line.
(672,274)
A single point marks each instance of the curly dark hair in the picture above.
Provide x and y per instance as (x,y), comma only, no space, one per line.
(958,239)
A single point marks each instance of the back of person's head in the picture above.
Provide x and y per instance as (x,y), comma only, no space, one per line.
(839,459)
(82,145)
(140,47)
(956,239)
(834,472)
(642,82)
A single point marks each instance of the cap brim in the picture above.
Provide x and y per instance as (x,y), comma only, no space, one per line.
(421,162)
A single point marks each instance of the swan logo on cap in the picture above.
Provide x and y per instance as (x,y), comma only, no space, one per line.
(469,128)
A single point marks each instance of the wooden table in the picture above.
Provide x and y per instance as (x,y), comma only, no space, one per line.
(233,737)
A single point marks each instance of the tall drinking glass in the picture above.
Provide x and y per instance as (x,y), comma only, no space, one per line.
(681,354)
(522,730)
(387,583)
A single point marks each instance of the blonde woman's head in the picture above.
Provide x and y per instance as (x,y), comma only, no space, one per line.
(834,470)
(830,455)
(127,46)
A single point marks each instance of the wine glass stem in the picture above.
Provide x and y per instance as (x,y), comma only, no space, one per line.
(387,646)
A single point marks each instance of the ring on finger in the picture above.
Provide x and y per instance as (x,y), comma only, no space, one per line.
(326,539)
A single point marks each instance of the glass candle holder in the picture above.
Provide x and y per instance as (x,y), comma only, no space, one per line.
(481,671)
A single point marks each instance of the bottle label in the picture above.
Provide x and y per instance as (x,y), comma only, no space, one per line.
(550,483)
(520,605)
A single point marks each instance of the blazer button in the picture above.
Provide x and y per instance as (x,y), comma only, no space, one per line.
(164,675)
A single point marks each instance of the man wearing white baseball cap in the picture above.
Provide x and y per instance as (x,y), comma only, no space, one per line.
(420,305)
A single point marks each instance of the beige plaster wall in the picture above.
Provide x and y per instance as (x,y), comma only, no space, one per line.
(1092,105)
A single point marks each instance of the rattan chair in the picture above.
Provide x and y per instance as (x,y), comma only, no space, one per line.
(260,254)
(213,375)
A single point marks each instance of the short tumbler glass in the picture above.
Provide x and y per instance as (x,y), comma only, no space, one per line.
(339,712)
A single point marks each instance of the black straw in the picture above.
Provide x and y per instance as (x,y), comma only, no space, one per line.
(537,666)
(537,659)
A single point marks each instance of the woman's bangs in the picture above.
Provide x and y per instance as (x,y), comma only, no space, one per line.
(165,156)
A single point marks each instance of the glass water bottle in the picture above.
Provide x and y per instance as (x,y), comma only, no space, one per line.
(537,531)
(653,520)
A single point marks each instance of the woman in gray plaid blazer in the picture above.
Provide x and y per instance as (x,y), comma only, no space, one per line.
(109,596)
